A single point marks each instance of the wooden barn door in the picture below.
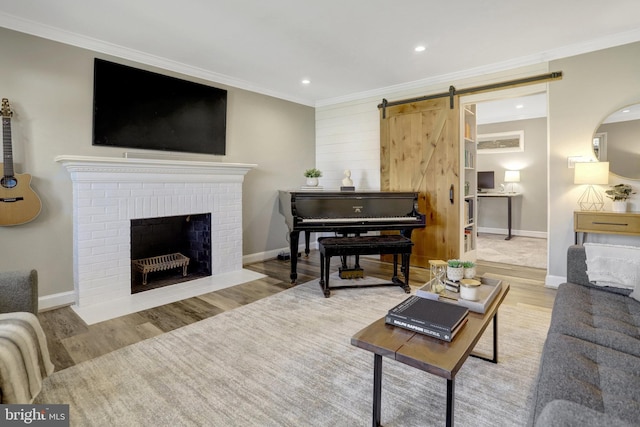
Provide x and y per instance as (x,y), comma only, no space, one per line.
(420,151)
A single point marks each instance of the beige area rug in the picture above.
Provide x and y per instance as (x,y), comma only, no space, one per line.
(525,251)
(286,360)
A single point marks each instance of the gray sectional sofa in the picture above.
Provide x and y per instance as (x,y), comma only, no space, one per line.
(590,368)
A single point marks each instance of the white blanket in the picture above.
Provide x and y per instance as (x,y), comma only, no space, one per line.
(613,265)
(24,357)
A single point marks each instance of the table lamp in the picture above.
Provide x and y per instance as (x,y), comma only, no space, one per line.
(591,173)
(511,177)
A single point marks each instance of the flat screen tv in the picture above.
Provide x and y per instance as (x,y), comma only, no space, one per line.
(486,180)
(134,108)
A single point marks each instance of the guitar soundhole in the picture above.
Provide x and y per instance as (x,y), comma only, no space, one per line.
(9,182)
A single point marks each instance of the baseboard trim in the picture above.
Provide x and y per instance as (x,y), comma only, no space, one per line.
(62,299)
(553,281)
(263,256)
(523,233)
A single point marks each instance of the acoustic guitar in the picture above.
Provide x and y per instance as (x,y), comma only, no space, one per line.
(19,204)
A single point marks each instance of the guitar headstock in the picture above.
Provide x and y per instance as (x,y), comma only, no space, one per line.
(6,110)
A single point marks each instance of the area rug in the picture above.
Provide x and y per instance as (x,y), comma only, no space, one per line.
(286,360)
(523,251)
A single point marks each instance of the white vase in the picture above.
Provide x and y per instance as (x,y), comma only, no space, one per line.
(312,182)
(455,274)
(469,272)
(619,206)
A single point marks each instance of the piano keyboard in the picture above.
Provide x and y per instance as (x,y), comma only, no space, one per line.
(362,219)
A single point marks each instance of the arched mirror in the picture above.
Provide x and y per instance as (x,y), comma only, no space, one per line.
(617,140)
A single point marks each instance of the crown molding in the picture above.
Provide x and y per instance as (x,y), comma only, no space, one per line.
(539,58)
(52,33)
(66,37)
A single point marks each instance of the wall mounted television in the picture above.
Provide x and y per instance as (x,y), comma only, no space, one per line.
(486,180)
(134,108)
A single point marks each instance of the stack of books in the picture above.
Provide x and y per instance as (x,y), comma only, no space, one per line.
(429,317)
(452,286)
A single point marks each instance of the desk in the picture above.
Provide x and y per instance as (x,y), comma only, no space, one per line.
(440,358)
(508,196)
(627,223)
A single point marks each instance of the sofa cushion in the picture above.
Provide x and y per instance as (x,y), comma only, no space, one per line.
(597,316)
(562,413)
(588,374)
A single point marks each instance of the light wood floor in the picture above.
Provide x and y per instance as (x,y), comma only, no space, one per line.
(71,341)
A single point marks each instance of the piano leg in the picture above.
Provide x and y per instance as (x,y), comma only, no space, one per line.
(307,238)
(294,238)
(406,268)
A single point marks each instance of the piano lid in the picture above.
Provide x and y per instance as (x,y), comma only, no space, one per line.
(351,204)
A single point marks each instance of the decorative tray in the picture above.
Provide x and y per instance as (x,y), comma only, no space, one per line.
(487,293)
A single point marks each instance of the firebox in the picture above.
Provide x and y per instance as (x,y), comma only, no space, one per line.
(169,250)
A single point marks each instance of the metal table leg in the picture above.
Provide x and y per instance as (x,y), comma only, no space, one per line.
(451,389)
(494,358)
(377,388)
(508,218)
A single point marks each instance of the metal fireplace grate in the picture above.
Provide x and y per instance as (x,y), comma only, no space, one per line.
(160,263)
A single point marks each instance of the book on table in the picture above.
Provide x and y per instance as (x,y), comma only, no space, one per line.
(424,330)
(430,317)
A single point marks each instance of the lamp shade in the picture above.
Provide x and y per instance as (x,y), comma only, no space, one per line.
(511,176)
(592,173)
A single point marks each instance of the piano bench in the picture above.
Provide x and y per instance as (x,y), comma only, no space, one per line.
(394,244)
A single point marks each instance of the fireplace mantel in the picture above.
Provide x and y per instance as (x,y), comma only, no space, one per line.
(90,168)
(109,192)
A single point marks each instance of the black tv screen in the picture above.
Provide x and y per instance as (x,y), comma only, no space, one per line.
(134,108)
(486,180)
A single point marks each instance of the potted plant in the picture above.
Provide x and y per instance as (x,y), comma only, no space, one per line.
(469,269)
(619,193)
(312,176)
(455,270)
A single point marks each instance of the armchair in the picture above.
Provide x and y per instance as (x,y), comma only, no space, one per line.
(19,291)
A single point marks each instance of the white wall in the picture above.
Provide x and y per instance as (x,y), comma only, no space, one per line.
(594,85)
(50,88)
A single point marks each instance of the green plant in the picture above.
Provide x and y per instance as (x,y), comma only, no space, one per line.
(455,263)
(619,192)
(312,173)
(468,264)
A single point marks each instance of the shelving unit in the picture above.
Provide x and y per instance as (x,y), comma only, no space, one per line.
(469,205)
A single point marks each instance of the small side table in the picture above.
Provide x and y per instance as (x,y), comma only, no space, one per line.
(626,223)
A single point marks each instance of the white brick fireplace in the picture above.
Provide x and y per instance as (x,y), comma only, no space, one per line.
(109,192)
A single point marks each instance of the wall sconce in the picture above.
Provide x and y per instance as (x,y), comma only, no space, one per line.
(511,177)
(591,173)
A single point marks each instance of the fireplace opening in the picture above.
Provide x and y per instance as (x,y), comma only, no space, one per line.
(169,250)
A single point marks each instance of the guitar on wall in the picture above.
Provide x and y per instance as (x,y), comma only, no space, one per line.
(19,204)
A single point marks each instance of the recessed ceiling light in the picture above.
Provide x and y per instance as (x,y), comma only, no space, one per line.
(420,48)
(306,81)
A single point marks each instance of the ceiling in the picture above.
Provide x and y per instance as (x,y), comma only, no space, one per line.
(348,49)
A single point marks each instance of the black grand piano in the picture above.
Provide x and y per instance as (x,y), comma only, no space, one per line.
(346,212)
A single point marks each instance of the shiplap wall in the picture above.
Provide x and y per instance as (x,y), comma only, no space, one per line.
(348,137)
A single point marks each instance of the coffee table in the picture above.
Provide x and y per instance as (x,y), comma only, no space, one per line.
(427,353)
